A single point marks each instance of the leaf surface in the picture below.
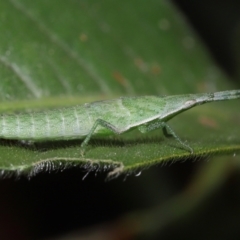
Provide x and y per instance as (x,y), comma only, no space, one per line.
(55,55)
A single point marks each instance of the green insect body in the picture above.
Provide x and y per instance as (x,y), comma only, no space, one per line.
(105,117)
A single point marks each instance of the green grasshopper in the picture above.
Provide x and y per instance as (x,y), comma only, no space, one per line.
(102,118)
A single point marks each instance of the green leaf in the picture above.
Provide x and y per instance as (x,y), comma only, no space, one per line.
(55,55)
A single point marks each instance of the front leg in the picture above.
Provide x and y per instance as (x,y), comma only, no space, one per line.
(98,122)
(167,131)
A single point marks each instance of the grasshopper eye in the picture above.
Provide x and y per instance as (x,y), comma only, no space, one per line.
(189,103)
